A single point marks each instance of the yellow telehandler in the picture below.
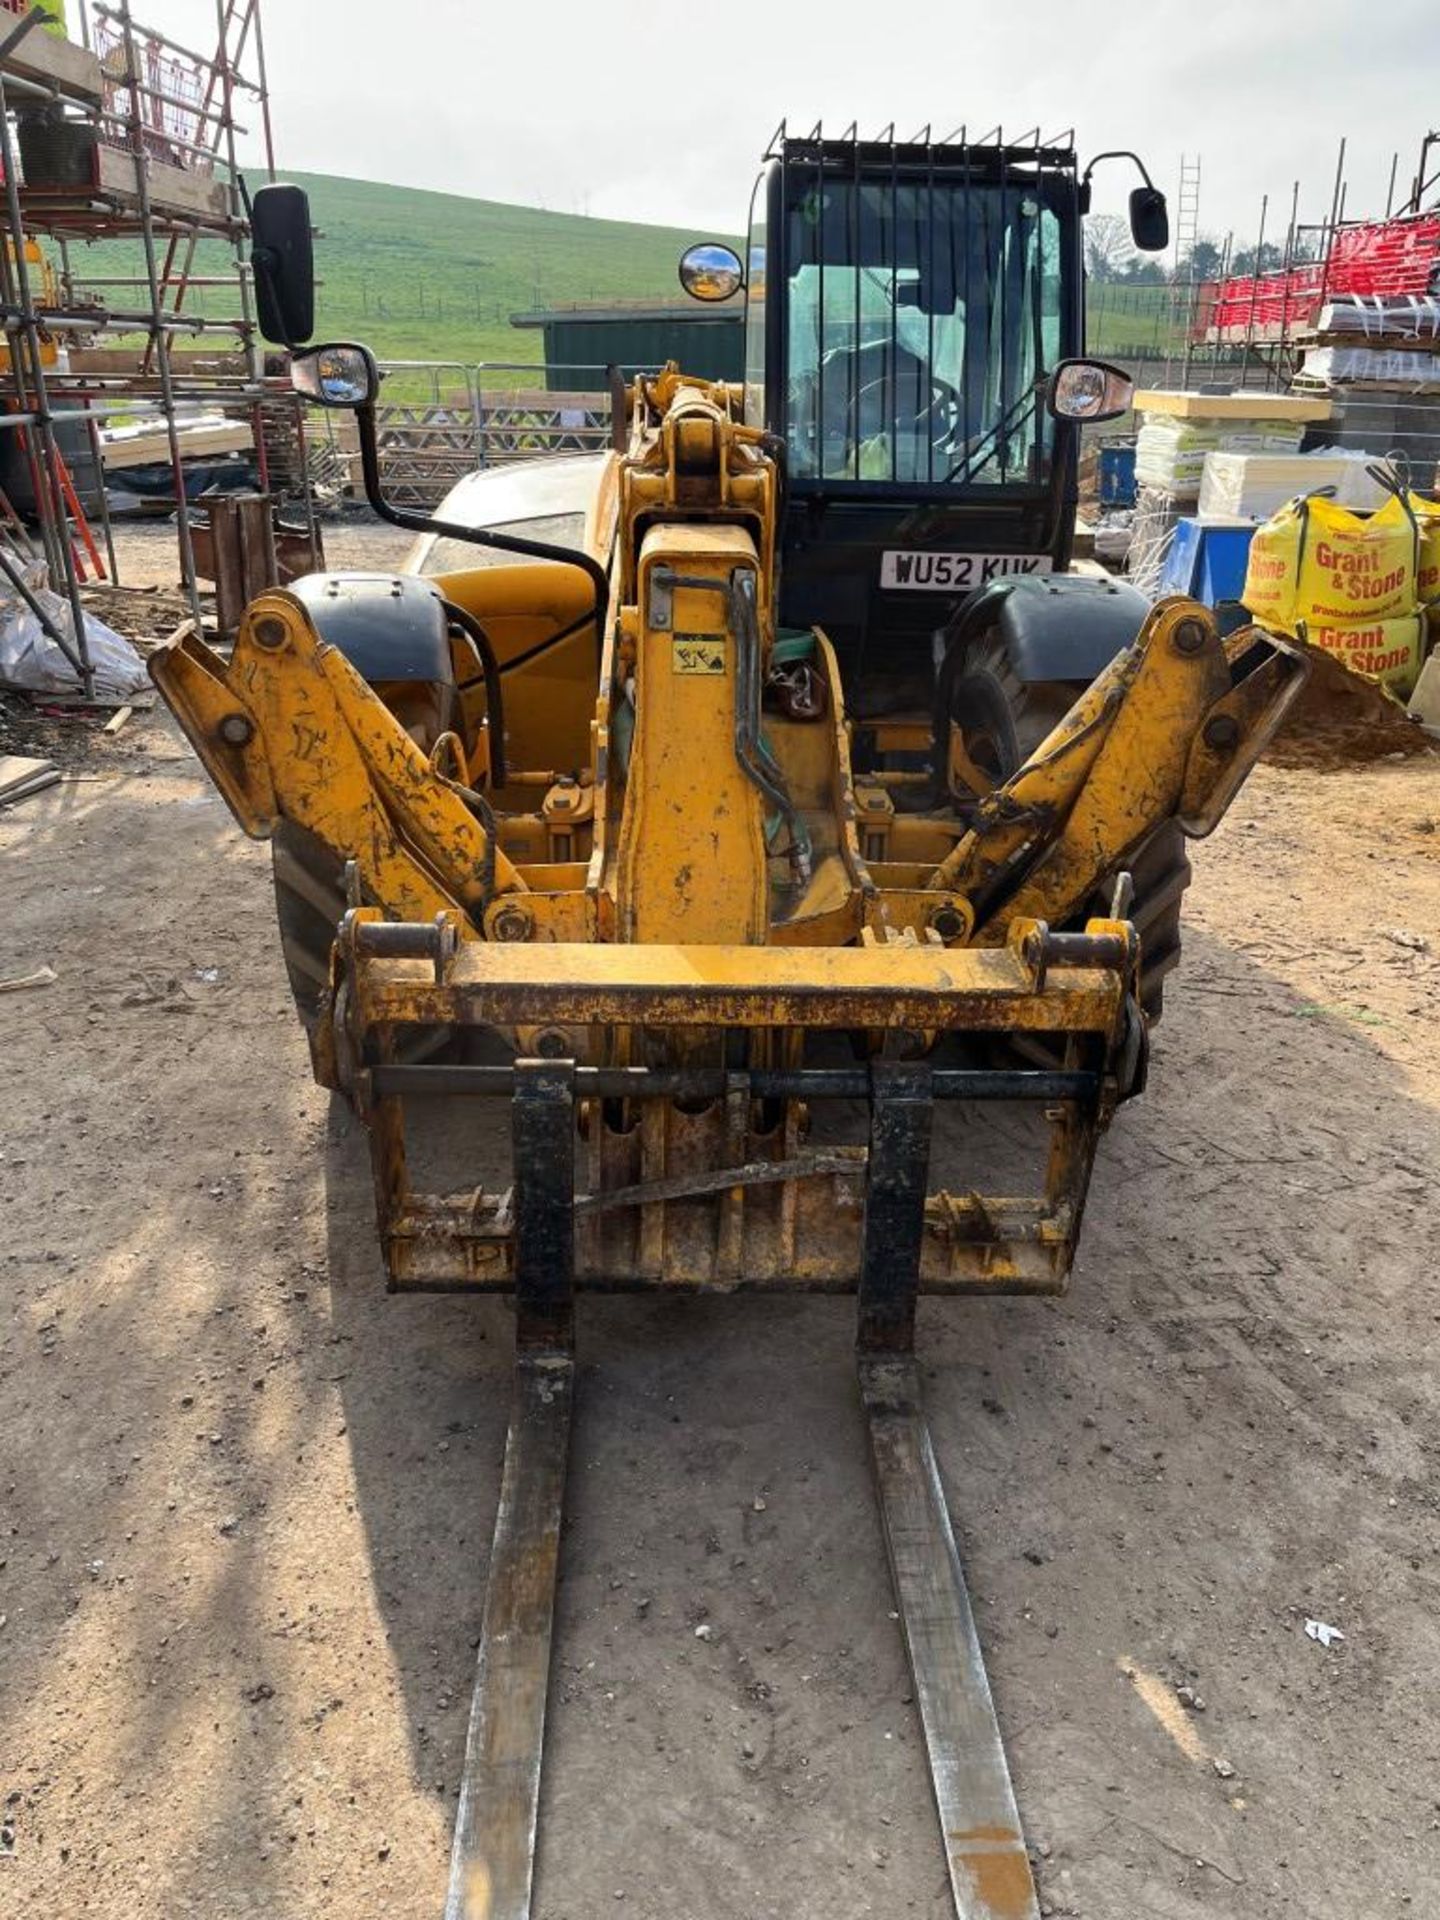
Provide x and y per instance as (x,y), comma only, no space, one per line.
(813,788)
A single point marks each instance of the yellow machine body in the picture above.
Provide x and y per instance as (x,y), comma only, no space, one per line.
(679,889)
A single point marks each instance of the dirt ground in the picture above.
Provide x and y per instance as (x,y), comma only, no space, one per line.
(246,1499)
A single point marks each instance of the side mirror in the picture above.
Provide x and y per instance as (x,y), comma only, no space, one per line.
(1088,390)
(1149,220)
(711,271)
(338,375)
(284,262)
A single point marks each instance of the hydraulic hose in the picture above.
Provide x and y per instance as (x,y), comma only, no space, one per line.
(494,688)
(756,761)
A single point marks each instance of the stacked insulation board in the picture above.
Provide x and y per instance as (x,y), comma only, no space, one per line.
(1181,432)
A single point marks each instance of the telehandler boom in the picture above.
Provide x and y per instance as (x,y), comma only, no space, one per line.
(811,790)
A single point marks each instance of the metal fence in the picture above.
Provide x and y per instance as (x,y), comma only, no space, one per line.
(438,420)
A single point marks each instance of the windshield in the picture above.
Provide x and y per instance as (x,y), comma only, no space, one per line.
(921,319)
(444,554)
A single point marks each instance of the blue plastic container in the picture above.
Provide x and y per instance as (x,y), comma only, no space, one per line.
(1117,476)
(1208,563)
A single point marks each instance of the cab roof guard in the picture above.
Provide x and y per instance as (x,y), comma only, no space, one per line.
(1058,150)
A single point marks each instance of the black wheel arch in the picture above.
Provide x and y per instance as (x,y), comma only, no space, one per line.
(1061,626)
(396,630)
(389,626)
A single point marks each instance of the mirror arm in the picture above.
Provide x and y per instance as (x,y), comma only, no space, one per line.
(619,421)
(476,536)
(1117,153)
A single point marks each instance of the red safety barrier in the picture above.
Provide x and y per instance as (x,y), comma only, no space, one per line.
(1272,300)
(1391,257)
(1387,257)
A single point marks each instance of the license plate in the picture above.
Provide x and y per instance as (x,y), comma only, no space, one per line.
(917,570)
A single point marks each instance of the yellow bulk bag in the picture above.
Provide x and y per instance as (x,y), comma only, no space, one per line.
(1390,651)
(1427,572)
(1316,562)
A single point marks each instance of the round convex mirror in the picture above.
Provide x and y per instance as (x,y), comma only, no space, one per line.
(1088,390)
(711,271)
(338,375)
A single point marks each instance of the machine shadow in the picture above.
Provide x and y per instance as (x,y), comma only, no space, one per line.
(720,1480)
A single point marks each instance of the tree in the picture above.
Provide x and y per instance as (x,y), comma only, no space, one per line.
(1202,262)
(1108,247)
(1271,257)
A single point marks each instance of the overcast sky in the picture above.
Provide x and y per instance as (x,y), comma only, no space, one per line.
(648,111)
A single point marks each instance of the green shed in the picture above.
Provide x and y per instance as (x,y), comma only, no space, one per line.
(581,341)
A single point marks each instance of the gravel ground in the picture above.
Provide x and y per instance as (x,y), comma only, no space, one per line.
(148,556)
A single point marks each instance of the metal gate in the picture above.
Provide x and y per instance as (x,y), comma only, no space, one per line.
(440,419)
(426,424)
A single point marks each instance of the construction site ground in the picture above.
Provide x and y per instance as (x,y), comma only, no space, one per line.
(246,1498)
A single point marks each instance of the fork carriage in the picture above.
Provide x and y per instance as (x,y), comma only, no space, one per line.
(700,1176)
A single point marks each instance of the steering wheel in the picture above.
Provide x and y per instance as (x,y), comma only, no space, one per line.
(938,418)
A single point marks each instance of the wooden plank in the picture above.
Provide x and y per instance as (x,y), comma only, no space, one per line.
(1261,334)
(150,449)
(1381,342)
(1341,384)
(45,976)
(172,189)
(19,766)
(55,62)
(101,702)
(28,787)
(20,775)
(188,362)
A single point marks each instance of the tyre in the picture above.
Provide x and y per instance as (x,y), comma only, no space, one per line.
(309,905)
(1002,721)
(1160,869)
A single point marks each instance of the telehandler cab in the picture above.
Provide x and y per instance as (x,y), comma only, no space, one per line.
(815,783)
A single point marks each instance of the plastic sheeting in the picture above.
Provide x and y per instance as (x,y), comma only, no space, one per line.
(31,659)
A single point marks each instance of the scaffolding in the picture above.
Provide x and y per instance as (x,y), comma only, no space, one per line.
(129,135)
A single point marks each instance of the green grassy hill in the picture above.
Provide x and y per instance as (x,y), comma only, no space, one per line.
(436,276)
